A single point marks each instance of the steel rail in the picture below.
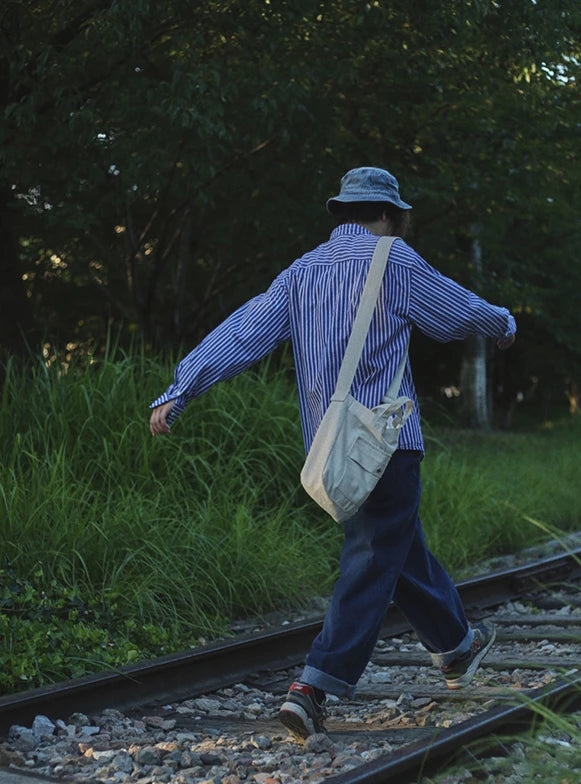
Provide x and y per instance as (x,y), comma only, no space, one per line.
(427,756)
(192,673)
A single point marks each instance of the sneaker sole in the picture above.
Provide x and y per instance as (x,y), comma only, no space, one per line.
(296,720)
(466,678)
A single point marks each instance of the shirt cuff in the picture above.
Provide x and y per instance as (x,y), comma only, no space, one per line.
(178,407)
(511,329)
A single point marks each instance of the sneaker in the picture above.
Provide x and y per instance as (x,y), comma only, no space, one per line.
(461,671)
(301,714)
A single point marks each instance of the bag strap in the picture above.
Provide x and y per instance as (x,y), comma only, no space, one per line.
(363,320)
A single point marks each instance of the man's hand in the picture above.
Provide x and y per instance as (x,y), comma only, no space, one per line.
(504,343)
(158,421)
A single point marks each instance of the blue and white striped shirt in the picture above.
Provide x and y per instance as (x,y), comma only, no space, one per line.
(314,301)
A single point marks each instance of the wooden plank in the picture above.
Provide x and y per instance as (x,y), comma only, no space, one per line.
(493,661)
(341,726)
(541,633)
(437,692)
(345,731)
(540,619)
(556,601)
(16,776)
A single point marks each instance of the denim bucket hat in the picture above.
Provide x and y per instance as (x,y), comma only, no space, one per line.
(368,184)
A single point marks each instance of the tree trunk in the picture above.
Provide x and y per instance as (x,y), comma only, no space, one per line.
(475,408)
(473,384)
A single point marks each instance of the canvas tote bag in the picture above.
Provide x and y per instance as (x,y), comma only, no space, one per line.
(354,444)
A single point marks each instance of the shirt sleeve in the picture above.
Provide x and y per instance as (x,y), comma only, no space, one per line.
(246,336)
(444,310)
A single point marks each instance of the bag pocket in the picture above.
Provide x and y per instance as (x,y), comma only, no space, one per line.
(368,456)
(364,467)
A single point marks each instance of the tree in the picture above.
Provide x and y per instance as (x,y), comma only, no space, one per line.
(489,123)
(161,162)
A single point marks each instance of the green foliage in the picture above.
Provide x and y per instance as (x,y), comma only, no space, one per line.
(168,159)
(52,631)
(177,535)
(115,546)
(159,163)
(494,492)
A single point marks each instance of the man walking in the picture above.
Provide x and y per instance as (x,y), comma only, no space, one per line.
(384,558)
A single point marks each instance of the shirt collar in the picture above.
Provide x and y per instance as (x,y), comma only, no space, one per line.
(349,228)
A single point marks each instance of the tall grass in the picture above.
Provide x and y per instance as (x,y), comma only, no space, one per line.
(189,531)
(196,527)
(485,493)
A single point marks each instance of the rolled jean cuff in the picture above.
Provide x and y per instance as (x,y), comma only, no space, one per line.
(443,659)
(327,683)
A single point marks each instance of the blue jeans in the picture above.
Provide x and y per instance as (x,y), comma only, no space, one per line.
(385,558)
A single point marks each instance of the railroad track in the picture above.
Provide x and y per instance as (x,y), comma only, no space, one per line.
(210,715)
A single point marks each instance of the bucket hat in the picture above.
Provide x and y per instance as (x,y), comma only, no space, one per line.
(368,183)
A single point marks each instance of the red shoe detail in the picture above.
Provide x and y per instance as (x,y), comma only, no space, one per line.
(304,688)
